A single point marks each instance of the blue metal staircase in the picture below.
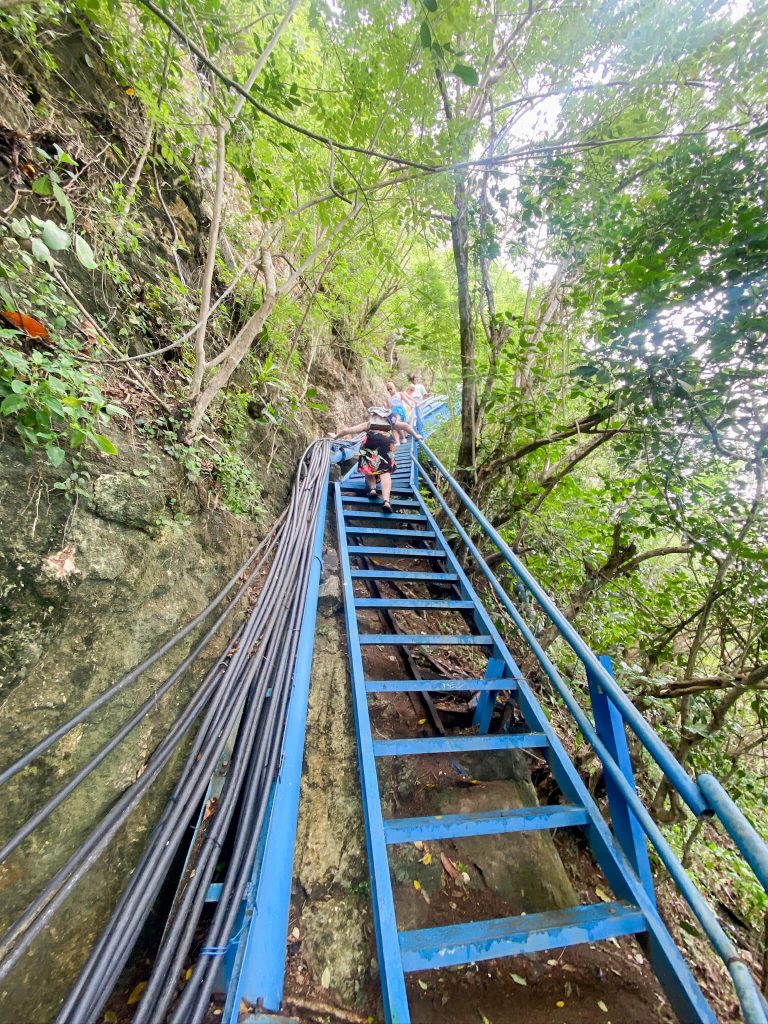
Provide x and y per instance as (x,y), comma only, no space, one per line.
(417,553)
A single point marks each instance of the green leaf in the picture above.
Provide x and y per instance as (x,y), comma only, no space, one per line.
(55,454)
(20,227)
(41,252)
(467,74)
(15,360)
(42,186)
(431,5)
(84,253)
(425,35)
(11,404)
(55,237)
(60,196)
(104,444)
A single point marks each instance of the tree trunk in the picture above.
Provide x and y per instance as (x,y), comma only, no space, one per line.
(465,468)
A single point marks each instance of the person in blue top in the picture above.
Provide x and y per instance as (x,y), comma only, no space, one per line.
(397,407)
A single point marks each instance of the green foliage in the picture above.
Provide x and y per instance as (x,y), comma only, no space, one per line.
(52,401)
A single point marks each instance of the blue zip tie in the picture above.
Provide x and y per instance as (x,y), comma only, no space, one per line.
(221,950)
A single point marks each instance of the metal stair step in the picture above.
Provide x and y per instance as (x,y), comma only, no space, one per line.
(375,531)
(355,489)
(349,499)
(482,823)
(428,639)
(458,744)
(437,685)
(412,602)
(393,574)
(431,948)
(389,517)
(356,549)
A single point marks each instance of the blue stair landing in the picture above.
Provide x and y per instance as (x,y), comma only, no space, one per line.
(372,548)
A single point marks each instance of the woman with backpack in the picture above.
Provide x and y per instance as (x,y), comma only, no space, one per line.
(376,460)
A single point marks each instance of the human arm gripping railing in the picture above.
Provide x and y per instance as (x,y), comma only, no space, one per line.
(751,1001)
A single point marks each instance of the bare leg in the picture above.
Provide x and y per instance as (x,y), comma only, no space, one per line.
(386,486)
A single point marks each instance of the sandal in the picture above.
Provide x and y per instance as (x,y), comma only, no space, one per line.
(387,508)
(372,495)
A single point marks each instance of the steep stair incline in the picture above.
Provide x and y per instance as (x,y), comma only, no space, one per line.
(417,553)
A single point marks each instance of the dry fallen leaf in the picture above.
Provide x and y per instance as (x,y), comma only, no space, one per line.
(110,1017)
(325,980)
(187,974)
(419,845)
(427,858)
(518,979)
(560,1003)
(602,894)
(602,1006)
(552,963)
(416,884)
(135,995)
(423,984)
(449,866)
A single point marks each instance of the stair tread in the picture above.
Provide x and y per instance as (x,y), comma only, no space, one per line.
(349,499)
(375,531)
(355,549)
(428,639)
(437,685)
(456,744)
(431,948)
(394,574)
(389,517)
(483,823)
(413,602)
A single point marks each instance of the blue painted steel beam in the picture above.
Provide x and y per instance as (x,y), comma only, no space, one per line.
(676,978)
(431,948)
(351,490)
(262,947)
(612,731)
(416,639)
(386,517)
(396,552)
(663,756)
(485,705)
(214,892)
(394,996)
(459,744)
(482,823)
(745,837)
(376,531)
(438,685)
(393,574)
(367,503)
(393,603)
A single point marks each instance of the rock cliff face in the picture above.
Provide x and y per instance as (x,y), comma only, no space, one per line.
(85,593)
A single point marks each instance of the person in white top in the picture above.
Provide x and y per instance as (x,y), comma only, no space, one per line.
(419,393)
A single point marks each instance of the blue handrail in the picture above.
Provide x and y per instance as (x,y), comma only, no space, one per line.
(663,756)
(748,841)
(751,1001)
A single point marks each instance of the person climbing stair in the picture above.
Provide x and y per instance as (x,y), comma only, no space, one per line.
(377,453)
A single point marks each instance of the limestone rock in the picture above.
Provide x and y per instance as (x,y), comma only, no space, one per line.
(129,500)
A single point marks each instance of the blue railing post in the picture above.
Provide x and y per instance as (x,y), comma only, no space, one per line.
(612,731)
(487,699)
